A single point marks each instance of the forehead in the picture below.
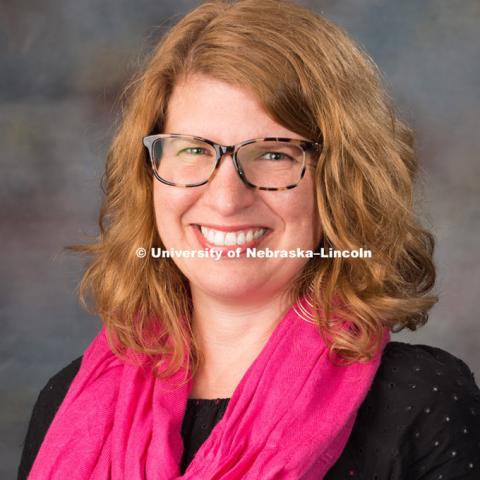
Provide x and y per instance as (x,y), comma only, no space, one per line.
(221,112)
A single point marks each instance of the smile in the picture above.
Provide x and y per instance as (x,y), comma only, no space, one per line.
(240,237)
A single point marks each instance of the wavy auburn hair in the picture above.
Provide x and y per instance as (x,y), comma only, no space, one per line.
(311,78)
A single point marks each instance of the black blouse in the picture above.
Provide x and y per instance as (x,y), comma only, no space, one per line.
(420,420)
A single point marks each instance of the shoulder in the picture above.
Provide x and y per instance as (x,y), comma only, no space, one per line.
(48,401)
(427,376)
(53,393)
(424,408)
(422,366)
(420,420)
(64,377)
(426,354)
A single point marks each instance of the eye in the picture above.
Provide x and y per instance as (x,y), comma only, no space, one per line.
(194,150)
(276,156)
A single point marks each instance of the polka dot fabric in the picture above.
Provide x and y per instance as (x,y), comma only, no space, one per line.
(419,421)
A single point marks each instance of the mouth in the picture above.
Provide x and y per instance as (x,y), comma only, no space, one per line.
(231,238)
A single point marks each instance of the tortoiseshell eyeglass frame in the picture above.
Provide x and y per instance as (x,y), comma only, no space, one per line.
(307,146)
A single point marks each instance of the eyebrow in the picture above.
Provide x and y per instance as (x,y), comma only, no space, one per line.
(257,137)
(178,140)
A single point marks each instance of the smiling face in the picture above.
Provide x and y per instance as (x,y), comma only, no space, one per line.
(226,210)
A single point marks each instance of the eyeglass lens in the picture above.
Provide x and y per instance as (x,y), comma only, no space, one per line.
(185,160)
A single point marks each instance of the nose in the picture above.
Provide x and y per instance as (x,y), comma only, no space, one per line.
(226,192)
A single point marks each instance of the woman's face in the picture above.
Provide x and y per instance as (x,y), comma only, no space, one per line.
(208,108)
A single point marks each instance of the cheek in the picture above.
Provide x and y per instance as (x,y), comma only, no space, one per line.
(170,204)
(300,211)
(311,206)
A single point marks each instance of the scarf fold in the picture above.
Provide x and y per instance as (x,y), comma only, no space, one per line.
(289,417)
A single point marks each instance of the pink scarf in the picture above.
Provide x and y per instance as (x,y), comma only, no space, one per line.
(289,418)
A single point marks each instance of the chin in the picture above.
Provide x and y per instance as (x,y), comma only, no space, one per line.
(229,288)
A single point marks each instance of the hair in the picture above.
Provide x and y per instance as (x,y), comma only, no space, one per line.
(311,78)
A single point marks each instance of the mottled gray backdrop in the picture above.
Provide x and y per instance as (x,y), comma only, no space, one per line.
(62,67)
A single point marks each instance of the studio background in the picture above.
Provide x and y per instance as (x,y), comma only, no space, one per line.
(62,68)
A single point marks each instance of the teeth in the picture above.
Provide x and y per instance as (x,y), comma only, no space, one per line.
(241,238)
(230,239)
(220,238)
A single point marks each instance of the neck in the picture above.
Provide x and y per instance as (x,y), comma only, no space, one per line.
(231,335)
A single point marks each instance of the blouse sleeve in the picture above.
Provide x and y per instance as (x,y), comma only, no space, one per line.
(44,410)
(446,441)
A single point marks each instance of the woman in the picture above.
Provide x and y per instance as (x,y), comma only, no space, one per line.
(263,129)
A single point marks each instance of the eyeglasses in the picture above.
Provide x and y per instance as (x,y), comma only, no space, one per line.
(263,163)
